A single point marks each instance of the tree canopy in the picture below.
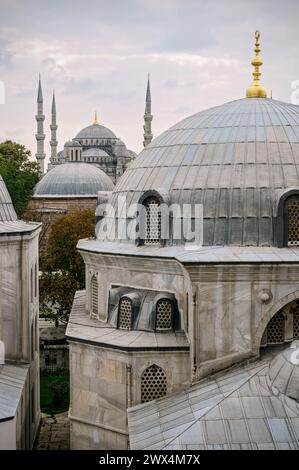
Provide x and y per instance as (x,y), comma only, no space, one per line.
(19,173)
(62,265)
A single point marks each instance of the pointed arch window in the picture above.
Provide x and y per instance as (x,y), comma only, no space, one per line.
(152,221)
(153,383)
(94,295)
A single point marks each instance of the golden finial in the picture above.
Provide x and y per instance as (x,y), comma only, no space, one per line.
(256,90)
(95,121)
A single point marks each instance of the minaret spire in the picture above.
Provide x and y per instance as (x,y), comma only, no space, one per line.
(53,127)
(40,136)
(256,90)
(148,117)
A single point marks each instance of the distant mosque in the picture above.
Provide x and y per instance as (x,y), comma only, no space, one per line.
(95,144)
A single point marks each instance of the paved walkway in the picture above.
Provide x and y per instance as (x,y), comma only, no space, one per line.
(54,432)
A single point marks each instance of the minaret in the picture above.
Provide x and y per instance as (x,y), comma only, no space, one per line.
(53,127)
(256,90)
(40,136)
(148,117)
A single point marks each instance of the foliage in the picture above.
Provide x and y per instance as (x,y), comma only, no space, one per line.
(48,404)
(62,265)
(59,391)
(19,173)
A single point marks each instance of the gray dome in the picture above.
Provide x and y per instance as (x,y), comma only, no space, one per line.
(95,131)
(7,212)
(74,179)
(235,159)
(94,152)
(284,371)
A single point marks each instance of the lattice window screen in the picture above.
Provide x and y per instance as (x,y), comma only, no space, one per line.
(153,222)
(293,223)
(125,314)
(164,314)
(296,321)
(275,329)
(94,295)
(153,383)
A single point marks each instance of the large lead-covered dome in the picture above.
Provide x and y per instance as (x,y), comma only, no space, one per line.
(236,159)
(74,179)
(95,131)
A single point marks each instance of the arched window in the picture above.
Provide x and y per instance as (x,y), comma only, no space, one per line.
(153,383)
(296,320)
(152,222)
(125,313)
(164,314)
(31,285)
(293,221)
(275,329)
(94,296)
(35,279)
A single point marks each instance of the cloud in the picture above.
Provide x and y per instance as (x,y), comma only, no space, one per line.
(97,56)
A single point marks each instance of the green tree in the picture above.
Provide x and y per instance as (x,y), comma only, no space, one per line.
(62,265)
(19,173)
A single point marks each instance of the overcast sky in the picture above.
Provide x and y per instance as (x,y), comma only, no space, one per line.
(97,54)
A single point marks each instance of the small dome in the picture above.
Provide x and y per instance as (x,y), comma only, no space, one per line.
(74,179)
(74,143)
(7,212)
(69,143)
(284,371)
(94,152)
(95,131)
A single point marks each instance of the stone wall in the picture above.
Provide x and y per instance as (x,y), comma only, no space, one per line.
(19,309)
(232,306)
(104,383)
(49,210)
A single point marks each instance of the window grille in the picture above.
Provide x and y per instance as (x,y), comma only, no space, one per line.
(296,321)
(164,314)
(94,296)
(153,222)
(293,223)
(153,383)
(125,314)
(275,329)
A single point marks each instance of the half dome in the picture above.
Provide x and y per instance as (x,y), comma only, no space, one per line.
(74,179)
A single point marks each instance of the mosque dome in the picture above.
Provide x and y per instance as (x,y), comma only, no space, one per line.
(236,159)
(94,152)
(95,131)
(284,371)
(74,179)
(7,212)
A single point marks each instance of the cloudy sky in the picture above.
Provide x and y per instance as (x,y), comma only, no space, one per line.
(97,54)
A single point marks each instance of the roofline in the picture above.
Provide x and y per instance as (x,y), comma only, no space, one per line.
(126,348)
(190,263)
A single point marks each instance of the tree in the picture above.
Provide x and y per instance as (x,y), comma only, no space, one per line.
(19,173)
(62,265)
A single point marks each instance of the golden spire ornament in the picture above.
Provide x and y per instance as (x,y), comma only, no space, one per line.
(95,121)
(256,90)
